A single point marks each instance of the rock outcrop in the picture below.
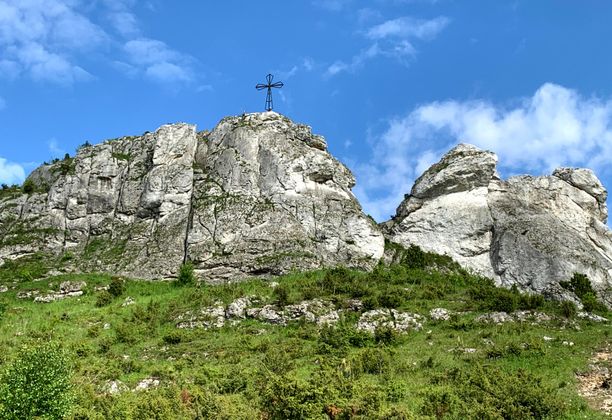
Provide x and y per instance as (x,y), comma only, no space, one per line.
(257,195)
(532,232)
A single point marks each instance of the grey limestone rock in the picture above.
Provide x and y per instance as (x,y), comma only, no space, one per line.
(258,195)
(400,322)
(528,231)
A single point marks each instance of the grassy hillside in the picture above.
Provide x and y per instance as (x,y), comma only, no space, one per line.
(457,368)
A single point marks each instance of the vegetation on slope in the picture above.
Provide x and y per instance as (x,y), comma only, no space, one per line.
(455,369)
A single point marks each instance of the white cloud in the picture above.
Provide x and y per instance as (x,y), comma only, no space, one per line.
(158,62)
(11,173)
(555,127)
(40,37)
(392,39)
(47,39)
(409,27)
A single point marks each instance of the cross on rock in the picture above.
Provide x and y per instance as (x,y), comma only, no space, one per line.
(269,86)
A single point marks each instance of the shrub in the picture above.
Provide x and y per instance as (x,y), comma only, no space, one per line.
(116,286)
(28,186)
(173,337)
(104,298)
(186,275)
(414,257)
(36,384)
(385,335)
(281,295)
(489,392)
(581,286)
(591,304)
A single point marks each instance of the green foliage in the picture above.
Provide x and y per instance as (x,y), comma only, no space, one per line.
(500,299)
(36,385)
(485,392)
(581,286)
(3,307)
(28,186)
(281,295)
(104,298)
(116,286)
(414,257)
(186,276)
(568,309)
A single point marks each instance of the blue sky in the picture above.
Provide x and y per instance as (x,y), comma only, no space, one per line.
(391,84)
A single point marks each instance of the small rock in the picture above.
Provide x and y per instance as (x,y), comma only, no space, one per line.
(72,286)
(106,326)
(114,387)
(439,314)
(146,384)
(211,317)
(237,309)
(494,318)
(128,301)
(398,321)
(268,313)
(546,338)
(273,284)
(568,343)
(591,317)
(29,294)
(3,289)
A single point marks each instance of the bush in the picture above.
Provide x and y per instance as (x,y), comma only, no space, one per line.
(581,286)
(116,286)
(36,384)
(591,304)
(281,296)
(104,298)
(489,392)
(186,275)
(414,257)
(568,309)
(28,186)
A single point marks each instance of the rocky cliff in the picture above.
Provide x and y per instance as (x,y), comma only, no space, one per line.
(257,195)
(528,231)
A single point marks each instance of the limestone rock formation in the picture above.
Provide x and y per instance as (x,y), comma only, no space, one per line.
(530,231)
(257,195)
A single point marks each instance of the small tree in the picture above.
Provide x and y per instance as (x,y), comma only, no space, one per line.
(36,384)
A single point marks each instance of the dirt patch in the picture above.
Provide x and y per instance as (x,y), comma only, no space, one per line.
(595,385)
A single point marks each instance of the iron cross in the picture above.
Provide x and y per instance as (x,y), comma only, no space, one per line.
(269,86)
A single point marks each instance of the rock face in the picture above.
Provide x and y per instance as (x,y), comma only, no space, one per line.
(528,231)
(257,195)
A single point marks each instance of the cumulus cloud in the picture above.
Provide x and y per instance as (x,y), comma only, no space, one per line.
(47,39)
(555,127)
(157,61)
(11,173)
(38,38)
(392,39)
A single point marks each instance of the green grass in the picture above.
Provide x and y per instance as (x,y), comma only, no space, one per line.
(256,370)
